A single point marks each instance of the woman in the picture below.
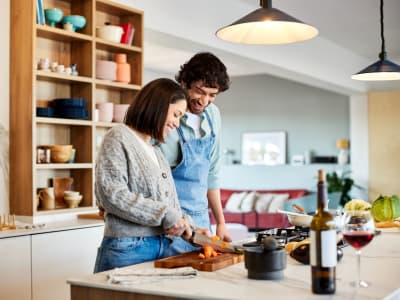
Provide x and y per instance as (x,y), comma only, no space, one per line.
(134,185)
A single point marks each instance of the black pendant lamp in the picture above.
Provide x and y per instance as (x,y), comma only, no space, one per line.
(266,26)
(383,69)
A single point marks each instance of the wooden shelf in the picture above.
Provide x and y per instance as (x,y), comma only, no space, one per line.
(111,46)
(31,42)
(64,166)
(116,85)
(54,76)
(48,32)
(105,124)
(58,121)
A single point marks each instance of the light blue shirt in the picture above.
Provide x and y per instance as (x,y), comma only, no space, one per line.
(172,151)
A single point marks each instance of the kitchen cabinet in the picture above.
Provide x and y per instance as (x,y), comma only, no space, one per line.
(29,86)
(59,255)
(15,262)
(35,263)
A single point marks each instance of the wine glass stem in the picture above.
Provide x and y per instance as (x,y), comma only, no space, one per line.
(358,253)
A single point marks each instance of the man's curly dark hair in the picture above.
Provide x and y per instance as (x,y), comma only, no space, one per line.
(207,67)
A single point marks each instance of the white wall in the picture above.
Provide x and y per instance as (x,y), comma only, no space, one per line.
(4,65)
(359,144)
(312,118)
(4,101)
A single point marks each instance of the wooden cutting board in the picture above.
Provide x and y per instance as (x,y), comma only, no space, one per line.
(191,259)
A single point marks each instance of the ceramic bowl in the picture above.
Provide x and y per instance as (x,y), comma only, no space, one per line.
(60,153)
(53,16)
(72,194)
(106,70)
(110,33)
(78,22)
(73,201)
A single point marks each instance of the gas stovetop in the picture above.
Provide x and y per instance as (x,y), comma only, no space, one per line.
(284,236)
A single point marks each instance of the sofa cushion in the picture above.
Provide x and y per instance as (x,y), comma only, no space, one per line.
(277,202)
(248,202)
(263,201)
(234,202)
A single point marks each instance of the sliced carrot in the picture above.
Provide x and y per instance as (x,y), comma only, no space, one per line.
(224,244)
(208,250)
(214,253)
(202,256)
(215,238)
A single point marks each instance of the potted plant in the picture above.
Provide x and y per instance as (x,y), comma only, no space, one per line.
(341,185)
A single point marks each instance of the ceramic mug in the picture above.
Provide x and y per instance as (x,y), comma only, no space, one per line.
(47,198)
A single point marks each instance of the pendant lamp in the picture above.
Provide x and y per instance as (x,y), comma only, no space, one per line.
(383,69)
(265,26)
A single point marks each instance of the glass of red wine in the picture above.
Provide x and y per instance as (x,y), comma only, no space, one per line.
(358,230)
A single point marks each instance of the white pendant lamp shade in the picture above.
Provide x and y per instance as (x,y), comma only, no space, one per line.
(383,69)
(266,26)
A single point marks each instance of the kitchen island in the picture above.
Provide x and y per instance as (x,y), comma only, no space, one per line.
(380,265)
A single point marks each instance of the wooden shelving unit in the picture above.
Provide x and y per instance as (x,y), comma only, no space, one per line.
(29,43)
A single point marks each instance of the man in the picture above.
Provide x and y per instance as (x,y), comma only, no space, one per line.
(193,150)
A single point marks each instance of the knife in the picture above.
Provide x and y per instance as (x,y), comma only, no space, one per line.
(203,240)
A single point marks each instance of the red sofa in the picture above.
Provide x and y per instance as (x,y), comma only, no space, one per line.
(254,220)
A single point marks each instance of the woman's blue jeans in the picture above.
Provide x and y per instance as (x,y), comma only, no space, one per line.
(121,252)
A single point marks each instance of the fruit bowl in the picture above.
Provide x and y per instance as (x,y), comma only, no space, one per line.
(78,22)
(53,16)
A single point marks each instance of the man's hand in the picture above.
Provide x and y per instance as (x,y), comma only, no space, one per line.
(223,233)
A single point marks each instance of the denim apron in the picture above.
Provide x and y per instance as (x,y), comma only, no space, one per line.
(191,181)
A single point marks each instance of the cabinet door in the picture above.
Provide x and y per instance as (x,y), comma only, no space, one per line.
(15,262)
(58,256)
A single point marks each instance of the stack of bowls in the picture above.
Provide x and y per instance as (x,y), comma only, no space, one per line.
(70,108)
(72,198)
(106,70)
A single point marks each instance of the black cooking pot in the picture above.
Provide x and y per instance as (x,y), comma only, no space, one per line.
(266,261)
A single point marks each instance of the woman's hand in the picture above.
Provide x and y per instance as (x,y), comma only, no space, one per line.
(178,228)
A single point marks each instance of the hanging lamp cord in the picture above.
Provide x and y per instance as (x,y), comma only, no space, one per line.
(382,55)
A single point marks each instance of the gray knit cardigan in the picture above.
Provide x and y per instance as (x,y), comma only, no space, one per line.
(139,197)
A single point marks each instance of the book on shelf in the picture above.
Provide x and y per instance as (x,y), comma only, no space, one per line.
(40,19)
(127,36)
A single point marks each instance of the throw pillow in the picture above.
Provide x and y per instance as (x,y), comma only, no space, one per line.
(234,202)
(248,202)
(277,202)
(262,203)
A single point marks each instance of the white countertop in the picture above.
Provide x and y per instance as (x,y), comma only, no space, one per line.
(380,264)
(74,223)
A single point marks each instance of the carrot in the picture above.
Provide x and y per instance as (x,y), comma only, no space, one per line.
(201,255)
(215,238)
(224,244)
(208,250)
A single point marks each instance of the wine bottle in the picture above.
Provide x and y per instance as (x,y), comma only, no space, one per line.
(323,256)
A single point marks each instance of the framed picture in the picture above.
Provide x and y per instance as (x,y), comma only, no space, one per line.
(264,148)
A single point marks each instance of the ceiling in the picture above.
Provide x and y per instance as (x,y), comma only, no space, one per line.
(348,40)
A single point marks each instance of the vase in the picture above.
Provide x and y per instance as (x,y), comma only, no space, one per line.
(123,68)
(343,157)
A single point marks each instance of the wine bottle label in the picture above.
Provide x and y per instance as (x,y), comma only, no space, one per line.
(323,249)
